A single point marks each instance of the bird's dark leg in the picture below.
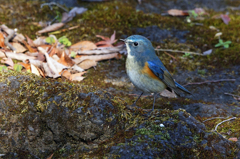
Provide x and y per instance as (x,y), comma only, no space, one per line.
(154,98)
(134,104)
(149,113)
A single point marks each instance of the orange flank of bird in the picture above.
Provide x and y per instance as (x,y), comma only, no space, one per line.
(148,71)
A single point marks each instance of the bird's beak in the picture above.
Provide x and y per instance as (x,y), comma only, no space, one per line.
(124,40)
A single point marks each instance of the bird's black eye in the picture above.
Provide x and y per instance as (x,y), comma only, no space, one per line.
(135,44)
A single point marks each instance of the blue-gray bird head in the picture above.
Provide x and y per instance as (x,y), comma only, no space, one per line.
(138,45)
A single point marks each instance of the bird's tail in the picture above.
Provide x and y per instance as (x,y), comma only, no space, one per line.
(180,88)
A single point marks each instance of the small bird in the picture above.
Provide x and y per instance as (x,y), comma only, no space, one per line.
(146,71)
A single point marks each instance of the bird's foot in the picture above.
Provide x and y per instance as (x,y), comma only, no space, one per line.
(148,114)
(133,107)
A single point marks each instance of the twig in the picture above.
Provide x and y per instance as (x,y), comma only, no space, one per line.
(169,50)
(223,122)
(214,118)
(232,95)
(53,3)
(6,41)
(221,80)
(170,55)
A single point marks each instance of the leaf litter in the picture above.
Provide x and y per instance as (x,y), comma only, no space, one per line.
(53,57)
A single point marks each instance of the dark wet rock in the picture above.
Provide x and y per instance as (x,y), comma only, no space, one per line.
(38,131)
(209,110)
(176,140)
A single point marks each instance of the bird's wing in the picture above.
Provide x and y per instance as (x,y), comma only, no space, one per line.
(162,73)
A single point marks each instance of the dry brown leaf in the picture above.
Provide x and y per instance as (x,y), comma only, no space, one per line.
(8,61)
(30,48)
(34,70)
(77,76)
(177,12)
(80,58)
(19,48)
(166,93)
(66,74)
(226,19)
(83,46)
(50,157)
(27,66)
(50,28)
(39,41)
(41,57)
(1,40)
(233,139)
(107,41)
(19,56)
(55,67)
(65,60)
(2,54)
(54,51)
(86,64)
(30,41)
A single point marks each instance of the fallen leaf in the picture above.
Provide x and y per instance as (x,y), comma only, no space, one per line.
(77,76)
(66,17)
(39,41)
(208,52)
(225,18)
(50,157)
(86,64)
(49,72)
(19,48)
(41,57)
(107,41)
(177,12)
(1,40)
(166,93)
(81,58)
(233,139)
(30,48)
(19,56)
(200,11)
(8,61)
(217,35)
(83,46)
(54,66)
(35,70)
(50,28)
(35,62)
(30,41)
(66,60)
(27,66)
(66,74)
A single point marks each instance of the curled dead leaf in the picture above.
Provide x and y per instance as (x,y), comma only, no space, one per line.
(96,58)
(177,12)
(34,70)
(77,76)
(19,48)
(1,40)
(83,46)
(50,28)
(86,64)
(27,66)
(233,139)
(107,42)
(66,60)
